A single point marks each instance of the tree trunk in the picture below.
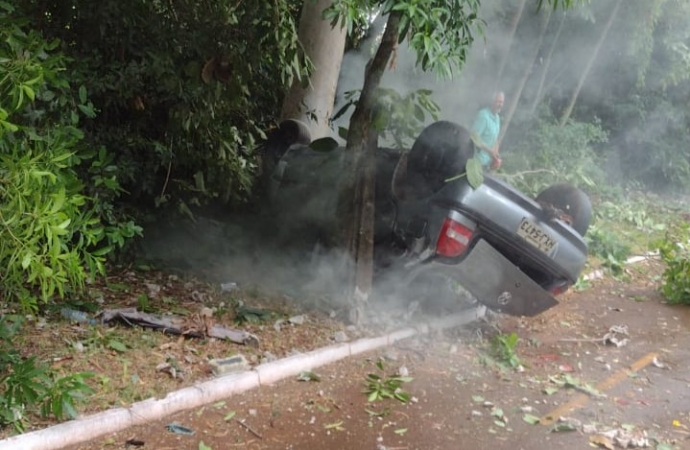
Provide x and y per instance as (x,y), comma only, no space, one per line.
(569,109)
(324,45)
(357,195)
(547,66)
(515,96)
(506,51)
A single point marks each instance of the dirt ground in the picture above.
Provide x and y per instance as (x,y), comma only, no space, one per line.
(573,389)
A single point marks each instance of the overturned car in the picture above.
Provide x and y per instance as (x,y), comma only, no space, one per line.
(513,253)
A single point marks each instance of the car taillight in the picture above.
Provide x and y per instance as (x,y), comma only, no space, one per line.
(454,238)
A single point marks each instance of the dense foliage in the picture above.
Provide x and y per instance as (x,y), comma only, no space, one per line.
(119,104)
(57,218)
(181,90)
(27,385)
(636,92)
(675,252)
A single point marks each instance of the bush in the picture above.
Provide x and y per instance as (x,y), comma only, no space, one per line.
(184,90)
(675,253)
(548,153)
(609,247)
(27,386)
(55,232)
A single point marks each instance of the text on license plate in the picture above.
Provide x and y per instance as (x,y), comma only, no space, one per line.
(532,233)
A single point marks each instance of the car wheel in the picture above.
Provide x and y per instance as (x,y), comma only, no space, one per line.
(571,202)
(440,151)
(293,131)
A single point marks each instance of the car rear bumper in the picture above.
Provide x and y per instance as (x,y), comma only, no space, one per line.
(496,282)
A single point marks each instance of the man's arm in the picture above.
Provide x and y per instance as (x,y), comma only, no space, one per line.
(480,123)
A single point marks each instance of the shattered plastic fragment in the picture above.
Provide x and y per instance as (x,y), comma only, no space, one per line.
(179,429)
(228,287)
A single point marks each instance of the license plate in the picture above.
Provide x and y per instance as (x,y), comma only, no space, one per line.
(532,233)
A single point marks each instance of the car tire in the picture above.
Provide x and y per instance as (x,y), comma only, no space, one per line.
(440,151)
(571,201)
(293,131)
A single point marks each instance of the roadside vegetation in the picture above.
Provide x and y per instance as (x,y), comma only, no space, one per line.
(128,113)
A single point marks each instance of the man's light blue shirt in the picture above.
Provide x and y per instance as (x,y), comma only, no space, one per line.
(486,128)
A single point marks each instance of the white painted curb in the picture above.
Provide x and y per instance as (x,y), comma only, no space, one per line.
(96,425)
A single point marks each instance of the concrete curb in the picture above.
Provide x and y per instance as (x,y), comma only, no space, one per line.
(96,425)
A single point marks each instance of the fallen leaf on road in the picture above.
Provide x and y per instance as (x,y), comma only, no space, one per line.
(530,419)
(335,426)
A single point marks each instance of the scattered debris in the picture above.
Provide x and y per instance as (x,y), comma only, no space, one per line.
(338,426)
(249,314)
(228,287)
(626,438)
(594,275)
(601,441)
(268,357)
(177,325)
(658,364)
(278,324)
(77,316)
(179,429)
(170,368)
(531,419)
(251,430)
(570,381)
(298,320)
(235,363)
(307,375)
(566,424)
(612,337)
(154,289)
(340,336)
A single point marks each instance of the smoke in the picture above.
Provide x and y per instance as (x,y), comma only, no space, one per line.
(289,249)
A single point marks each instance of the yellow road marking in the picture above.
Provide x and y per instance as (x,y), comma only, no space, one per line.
(582,399)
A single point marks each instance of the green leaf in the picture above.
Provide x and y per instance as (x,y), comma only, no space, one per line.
(230,415)
(342,133)
(402,396)
(475,172)
(203,446)
(29,92)
(26,261)
(497,412)
(117,346)
(82,94)
(550,390)
(308,376)
(531,419)
(326,144)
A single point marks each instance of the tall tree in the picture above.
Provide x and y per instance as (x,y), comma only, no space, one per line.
(514,22)
(590,62)
(324,44)
(547,65)
(529,69)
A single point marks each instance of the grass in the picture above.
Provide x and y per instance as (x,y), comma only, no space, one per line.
(124,359)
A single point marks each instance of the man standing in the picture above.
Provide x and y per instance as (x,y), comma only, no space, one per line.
(485,132)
